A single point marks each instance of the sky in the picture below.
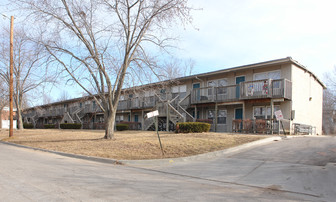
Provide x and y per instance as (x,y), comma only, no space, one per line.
(233,33)
(229,33)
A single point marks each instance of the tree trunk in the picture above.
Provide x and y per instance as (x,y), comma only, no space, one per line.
(109,125)
(19,119)
(0,119)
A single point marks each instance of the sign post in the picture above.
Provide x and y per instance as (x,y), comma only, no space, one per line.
(155,114)
(279,117)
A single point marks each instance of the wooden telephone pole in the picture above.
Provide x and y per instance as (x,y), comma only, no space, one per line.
(11,78)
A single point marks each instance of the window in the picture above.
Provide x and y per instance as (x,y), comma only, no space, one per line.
(211,84)
(175,89)
(264,112)
(259,112)
(222,114)
(118,118)
(149,93)
(267,75)
(180,90)
(221,84)
(218,83)
(211,114)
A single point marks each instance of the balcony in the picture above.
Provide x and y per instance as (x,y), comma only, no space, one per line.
(260,89)
(281,88)
(137,103)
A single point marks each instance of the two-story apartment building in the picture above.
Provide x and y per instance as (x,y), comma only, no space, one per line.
(236,99)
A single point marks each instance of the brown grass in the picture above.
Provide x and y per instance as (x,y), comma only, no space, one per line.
(127,144)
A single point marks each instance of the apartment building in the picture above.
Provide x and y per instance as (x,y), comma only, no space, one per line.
(238,99)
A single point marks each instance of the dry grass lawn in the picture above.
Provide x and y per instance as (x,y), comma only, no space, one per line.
(127,144)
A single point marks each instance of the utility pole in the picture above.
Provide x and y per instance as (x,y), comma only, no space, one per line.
(11,78)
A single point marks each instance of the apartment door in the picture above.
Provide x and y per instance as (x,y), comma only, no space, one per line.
(239,79)
(239,113)
(197,92)
(198,114)
(136,118)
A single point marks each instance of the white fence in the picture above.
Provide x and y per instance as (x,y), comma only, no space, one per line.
(5,124)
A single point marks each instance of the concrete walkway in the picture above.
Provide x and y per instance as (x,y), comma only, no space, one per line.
(305,165)
(258,174)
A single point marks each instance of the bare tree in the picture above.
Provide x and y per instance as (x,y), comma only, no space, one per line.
(330,79)
(3,98)
(175,68)
(329,103)
(64,96)
(329,112)
(100,43)
(46,99)
(27,72)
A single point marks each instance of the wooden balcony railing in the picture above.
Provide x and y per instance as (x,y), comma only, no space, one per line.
(268,88)
(281,88)
(260,126)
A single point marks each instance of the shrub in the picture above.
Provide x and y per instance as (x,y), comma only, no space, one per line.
(210,121)
(122,126)
(28,125)
(70,126)
(48,126)
(132,125)
(193,127)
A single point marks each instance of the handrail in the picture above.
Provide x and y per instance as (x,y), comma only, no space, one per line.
(185,111)
(173,108)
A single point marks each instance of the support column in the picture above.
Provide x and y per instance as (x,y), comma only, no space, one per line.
(195,111)
(244,111)
(142,120)
(272,112)
(196,114)
(216,114)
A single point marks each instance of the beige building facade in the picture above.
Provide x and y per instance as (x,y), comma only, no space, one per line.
(239,99)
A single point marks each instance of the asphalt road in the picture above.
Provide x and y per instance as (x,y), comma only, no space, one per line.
(298,169)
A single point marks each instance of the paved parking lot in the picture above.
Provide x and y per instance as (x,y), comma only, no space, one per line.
(290,170)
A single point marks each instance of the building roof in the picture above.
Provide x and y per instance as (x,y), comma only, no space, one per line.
(287,60)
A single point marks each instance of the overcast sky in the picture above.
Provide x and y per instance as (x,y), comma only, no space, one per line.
(233,33)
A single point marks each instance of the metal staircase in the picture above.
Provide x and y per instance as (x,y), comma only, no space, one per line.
(174,110)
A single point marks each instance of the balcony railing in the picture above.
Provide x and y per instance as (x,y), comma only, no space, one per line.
(214,94)
(281,88)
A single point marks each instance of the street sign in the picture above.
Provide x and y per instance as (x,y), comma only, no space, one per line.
(278,115)
(152,114)
(156,121)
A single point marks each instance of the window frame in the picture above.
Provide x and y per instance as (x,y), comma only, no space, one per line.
(267,75)
(266,109)
(218,116)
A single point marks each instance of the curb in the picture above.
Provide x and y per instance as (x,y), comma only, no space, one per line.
(78,156)
(167,161)
(205,156)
